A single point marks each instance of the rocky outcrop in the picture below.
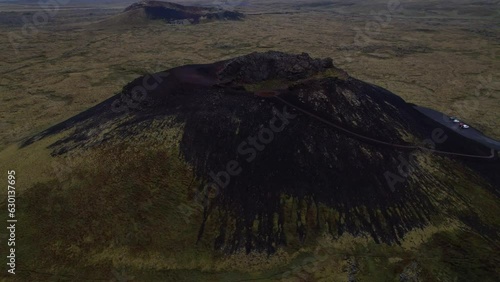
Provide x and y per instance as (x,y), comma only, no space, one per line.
(257,67)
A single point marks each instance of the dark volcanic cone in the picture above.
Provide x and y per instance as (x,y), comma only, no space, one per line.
(174,13)
(282,137)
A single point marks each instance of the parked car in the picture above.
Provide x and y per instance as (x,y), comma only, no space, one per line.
(460,124)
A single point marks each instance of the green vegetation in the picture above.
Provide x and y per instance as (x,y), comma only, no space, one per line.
(77,225)
(276,84)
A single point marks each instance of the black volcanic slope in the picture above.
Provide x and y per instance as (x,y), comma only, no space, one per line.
(221,105)
(169,12)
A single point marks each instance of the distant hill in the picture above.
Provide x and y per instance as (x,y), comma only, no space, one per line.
(158,11)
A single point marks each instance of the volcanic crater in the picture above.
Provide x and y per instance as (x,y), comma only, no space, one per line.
(309,176)
(146,11)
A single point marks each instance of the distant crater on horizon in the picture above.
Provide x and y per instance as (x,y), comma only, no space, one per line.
(145,12)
